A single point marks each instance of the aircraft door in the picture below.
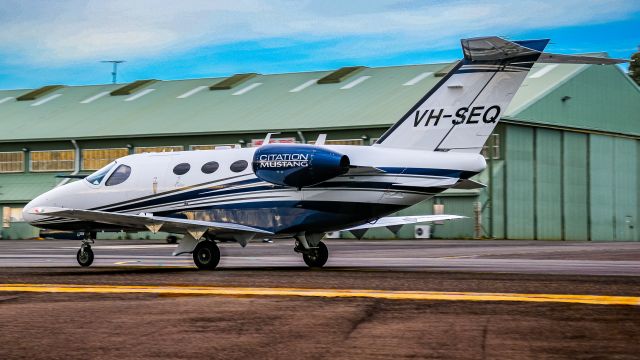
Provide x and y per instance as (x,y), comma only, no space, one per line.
(149,176)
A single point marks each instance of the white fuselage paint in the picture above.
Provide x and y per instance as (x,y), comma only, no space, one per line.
(152,176)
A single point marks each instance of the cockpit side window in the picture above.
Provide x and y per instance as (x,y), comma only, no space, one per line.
(119,176)
(96,177)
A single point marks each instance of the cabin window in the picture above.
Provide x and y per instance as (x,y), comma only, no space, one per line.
(96,177)
(210,167)
(119,176)
(239,166)
(181,169)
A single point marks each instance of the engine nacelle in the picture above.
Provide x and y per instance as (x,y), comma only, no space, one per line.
(298,165)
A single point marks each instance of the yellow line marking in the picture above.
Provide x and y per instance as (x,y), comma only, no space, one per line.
(327,293)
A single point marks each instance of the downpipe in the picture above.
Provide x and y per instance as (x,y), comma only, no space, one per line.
(76,163)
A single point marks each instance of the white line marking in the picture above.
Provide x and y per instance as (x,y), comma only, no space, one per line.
(543,71)
(94,97)
(139,95)
(46,100)
(247,89)
(355,82)
(6,99)
(304,85)
(417,79)
(191,92)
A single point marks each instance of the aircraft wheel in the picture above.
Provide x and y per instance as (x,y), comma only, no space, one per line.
(316,258)
(206,255)
(85,256)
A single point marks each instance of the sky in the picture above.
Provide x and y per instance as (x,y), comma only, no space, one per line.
(63,41)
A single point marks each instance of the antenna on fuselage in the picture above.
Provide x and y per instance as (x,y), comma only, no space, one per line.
(321,139)
(267,138)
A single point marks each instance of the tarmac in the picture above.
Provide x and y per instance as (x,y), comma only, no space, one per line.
(435,299)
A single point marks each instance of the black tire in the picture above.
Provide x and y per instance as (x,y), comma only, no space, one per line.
(206,255)
(85,256)
(316,258)
(172,239)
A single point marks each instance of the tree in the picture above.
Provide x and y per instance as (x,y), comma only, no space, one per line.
(634,67)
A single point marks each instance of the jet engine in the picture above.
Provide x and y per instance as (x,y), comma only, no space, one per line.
(298,165)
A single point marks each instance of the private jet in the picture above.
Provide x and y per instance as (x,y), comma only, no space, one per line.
(304,191)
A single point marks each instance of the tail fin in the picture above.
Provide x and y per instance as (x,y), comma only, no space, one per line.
(462,110)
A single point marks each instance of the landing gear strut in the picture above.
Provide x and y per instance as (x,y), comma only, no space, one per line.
(85,254)
(206,255)
(314,252)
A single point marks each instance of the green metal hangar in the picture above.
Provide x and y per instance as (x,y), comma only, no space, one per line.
(564,161)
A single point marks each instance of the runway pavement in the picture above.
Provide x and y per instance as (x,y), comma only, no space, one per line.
(539,257)
(432,299)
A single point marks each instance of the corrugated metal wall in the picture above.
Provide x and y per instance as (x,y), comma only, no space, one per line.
(625,180)
(548,177)
(601,195)
(519,195)
(562,185)
(575,186)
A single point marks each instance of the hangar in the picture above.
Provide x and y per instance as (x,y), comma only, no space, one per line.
(563,163)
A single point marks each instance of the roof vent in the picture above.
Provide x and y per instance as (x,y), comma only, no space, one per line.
(38,93)
(132,88)
(447,69)
(232,81)
(341,74)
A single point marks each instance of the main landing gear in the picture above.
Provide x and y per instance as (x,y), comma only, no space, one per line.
(314,252)
(85,254)
(206,255)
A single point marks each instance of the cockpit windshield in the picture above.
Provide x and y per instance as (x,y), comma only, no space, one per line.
(96,177)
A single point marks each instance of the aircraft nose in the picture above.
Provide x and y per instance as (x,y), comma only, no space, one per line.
(29,211)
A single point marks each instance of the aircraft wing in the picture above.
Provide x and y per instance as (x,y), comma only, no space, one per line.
(393,223)
(195,228)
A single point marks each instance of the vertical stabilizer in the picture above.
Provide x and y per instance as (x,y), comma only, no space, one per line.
(462,110)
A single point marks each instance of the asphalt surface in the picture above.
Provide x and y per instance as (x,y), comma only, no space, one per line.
(535,257)
(404,299)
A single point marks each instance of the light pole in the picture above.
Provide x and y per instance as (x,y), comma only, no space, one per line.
(114,73)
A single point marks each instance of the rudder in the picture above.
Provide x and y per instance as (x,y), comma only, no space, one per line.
(462,110)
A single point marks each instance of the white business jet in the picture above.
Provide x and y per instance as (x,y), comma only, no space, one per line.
(305,191)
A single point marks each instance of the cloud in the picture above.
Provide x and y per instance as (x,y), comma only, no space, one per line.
(62,32)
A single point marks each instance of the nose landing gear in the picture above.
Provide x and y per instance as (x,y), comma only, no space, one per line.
(84,256)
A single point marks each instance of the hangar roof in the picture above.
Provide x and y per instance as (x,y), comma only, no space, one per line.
(362,98)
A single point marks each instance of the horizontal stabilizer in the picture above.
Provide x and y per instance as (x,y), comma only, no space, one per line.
(468,184)
(426,182)
(394,222)
(577,59)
